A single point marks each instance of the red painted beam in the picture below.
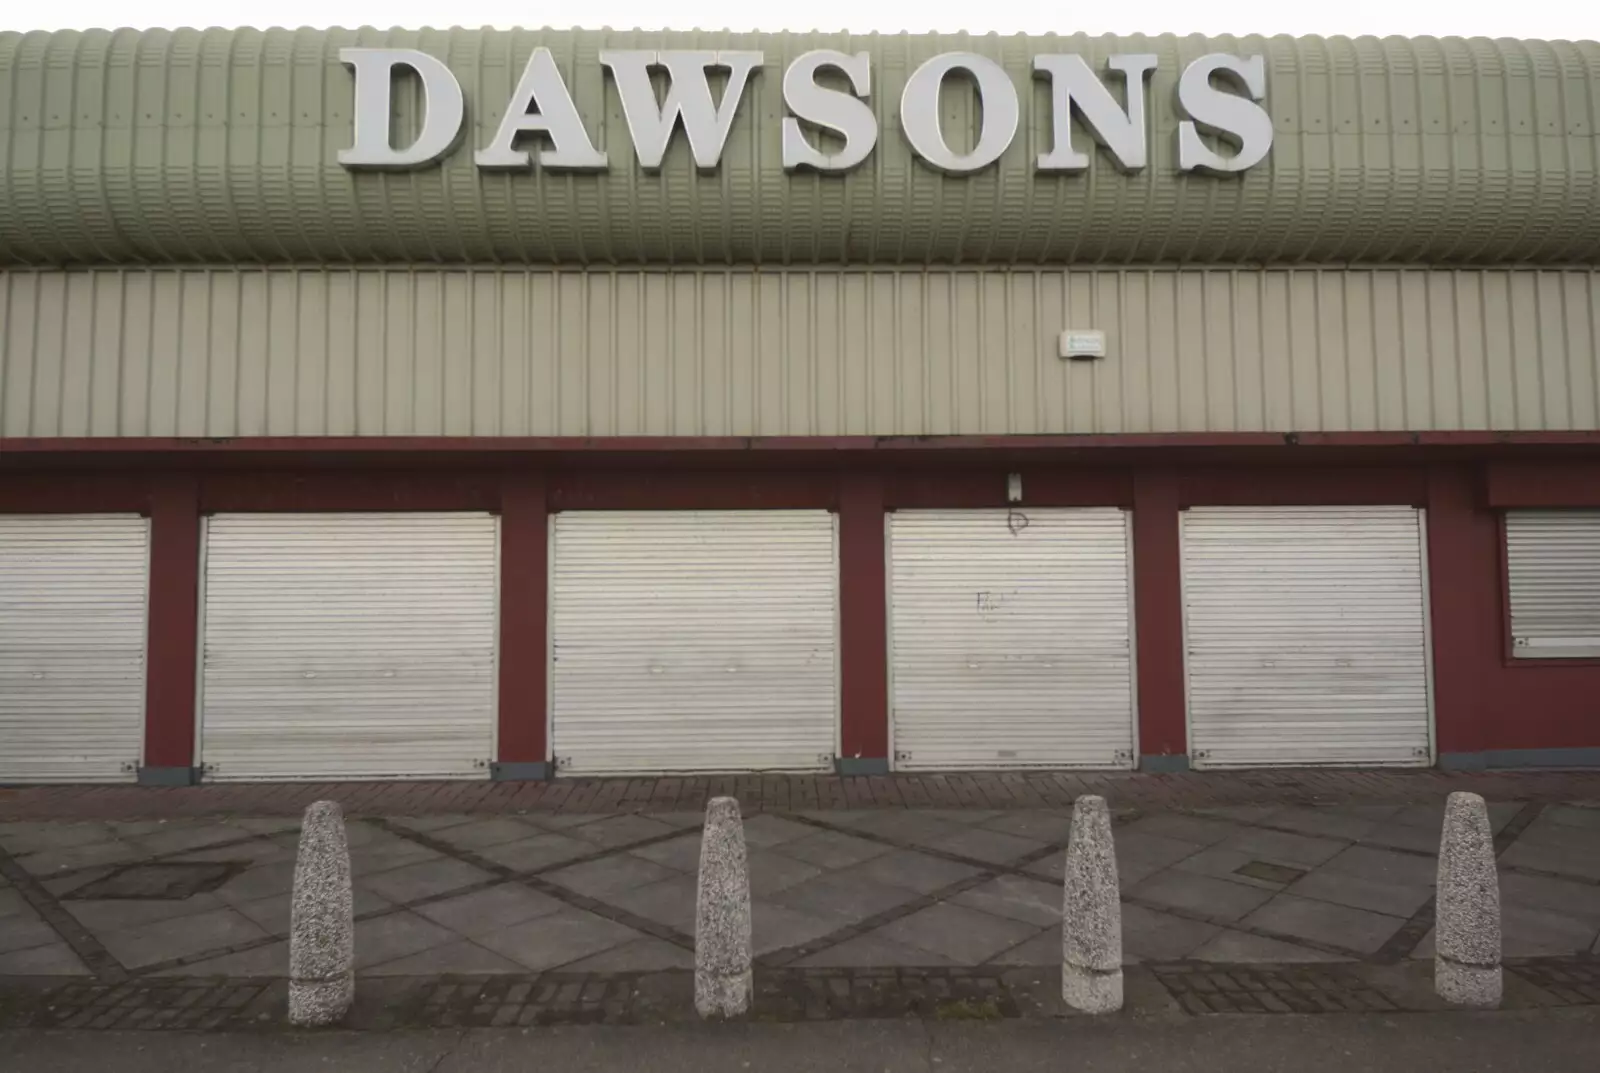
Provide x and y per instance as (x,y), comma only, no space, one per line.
(1158,615)
(524,599)
(173,647)
(863,621)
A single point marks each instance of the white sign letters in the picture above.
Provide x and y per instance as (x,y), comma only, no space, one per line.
(1223,126)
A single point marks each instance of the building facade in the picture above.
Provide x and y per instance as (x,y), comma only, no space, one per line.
(476,404)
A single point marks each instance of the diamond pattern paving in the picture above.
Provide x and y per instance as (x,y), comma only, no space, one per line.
(485,895)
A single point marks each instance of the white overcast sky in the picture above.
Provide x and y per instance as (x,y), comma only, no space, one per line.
(1553,19)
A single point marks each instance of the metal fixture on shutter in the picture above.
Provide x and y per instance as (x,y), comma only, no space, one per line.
(694,641)
(1010,643)
(348,645)
(1306,636)
(1553,559)
(74,597)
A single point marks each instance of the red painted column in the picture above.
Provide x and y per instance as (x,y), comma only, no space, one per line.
(1463,606)
(863,628)
(1158,613)
(173,646)
(524,646)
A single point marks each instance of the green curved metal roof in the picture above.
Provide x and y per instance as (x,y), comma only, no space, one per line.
(219,146)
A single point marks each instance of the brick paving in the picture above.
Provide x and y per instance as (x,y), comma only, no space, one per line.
(794,793)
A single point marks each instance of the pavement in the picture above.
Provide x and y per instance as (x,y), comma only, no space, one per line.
(607,895)
(1557,1041)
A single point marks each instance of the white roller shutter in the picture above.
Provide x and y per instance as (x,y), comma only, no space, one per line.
(1306,631)
(348,646)
(1010,639)
(1553,558)
(694,641)
(74,595)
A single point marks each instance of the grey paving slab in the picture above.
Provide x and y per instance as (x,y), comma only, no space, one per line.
(483,911)
(536,853)
(1148,935)
(1240,813)
(1585,816)
(1384,865)
(1031,901)
(1358,930)
(1527,932)
(1544,830)
(423,880)
(164,940)
(670,902)
(620,872)
(1052,869)
(271,960)
(846,897)
(188,838)
(50,862)
(1222,863)
(908,826)
(463,957)
(558,939)
(256,851)
(1049,826)
(1199,830)
(1216,899)
(1041,951)
(1400,836)
(1572,898)
(13,903)
(849,817)
(766,830)
(681,854)
(1425,948)
(771,871)
(966,816)
(680,820)
(53,959)
(776,927)
(1242,947)
(566,821)
(621,830)
(134,828)
(37,835)
(65,884)
(396,935)
(1307,851)
(478,834)
(875,951)
(19,932)
(1328,822)
(267,825)
(642,955)
(1555,860)
(1357,892)
(260,881)
(914,871)
(272,914)
(433,823)
(983,844)
(1140,854)
(373,859)
(832,849)
(965,936)
(1431,817)
(120,914)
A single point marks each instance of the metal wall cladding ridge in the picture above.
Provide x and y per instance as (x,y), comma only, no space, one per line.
(220,145)
(529,352)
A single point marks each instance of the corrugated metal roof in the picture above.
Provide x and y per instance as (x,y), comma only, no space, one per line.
(219,146)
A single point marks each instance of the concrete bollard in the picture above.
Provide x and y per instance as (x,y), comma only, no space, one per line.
(322,981)
(722,980)
(1466,962)
(1091,913)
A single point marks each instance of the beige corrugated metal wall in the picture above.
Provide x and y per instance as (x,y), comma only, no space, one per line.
(388,352)
(217,145)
